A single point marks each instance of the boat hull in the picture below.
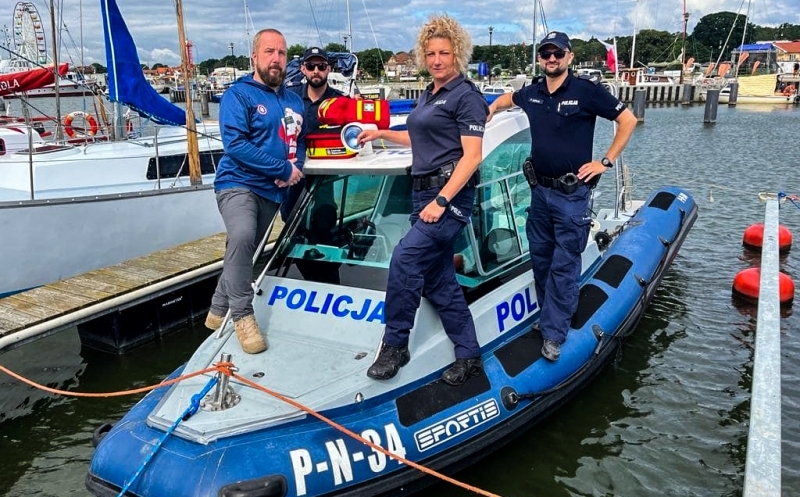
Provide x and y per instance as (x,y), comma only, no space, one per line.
(423,420)
(73,236)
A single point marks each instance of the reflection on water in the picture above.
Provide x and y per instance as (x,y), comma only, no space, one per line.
(668,418)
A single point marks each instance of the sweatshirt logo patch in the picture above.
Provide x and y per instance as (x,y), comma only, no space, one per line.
(261,109)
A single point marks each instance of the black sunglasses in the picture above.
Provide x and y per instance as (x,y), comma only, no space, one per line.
(322,66)
(560,54)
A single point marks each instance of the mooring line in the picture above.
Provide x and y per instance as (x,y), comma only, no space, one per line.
(220,366)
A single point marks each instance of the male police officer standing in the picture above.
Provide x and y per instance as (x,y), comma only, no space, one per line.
(316,67)
(562,109)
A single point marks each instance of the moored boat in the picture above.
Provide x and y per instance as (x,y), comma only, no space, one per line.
(75,207)
(320,302)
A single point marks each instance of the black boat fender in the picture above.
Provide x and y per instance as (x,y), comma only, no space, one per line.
(100,432)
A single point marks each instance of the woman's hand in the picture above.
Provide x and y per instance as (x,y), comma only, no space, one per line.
(431,213)
(368,135)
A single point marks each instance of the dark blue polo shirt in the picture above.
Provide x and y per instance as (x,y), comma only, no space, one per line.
(438,122)
(562,123)
(310,118)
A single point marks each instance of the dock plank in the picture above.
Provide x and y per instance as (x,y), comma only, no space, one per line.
(99,281)
(38,305)
(27,309)
(72,287)
(56,301)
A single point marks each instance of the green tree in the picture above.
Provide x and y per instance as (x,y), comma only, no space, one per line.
(335,47)
(295,50)
(372,61)
(99,69)
(712,31)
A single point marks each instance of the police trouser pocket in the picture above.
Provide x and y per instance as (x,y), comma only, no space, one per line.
(578,235)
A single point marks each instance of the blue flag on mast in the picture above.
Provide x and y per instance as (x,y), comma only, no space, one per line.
(126,82)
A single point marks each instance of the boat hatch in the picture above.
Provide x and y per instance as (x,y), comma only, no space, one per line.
(348,226)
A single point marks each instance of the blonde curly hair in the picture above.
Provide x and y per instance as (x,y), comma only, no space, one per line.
(449,29)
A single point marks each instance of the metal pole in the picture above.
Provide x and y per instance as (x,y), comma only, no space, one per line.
(683,47)
(491,28)
(762,472)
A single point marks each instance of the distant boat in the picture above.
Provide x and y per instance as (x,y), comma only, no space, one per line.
(15,79)
(66,209)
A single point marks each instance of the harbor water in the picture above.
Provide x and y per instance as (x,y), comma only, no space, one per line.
(669,417)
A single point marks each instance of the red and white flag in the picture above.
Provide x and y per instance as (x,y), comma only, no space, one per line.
(611,55)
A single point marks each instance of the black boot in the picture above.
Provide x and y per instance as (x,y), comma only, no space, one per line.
(461,370)
(389,361)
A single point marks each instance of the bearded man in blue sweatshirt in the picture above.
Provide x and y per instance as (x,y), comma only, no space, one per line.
(263,136)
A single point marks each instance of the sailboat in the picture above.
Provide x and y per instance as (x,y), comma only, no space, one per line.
(69,208)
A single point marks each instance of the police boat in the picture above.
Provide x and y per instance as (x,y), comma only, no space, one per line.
(256,430)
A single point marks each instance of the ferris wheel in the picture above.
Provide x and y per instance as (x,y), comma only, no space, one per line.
(29,34)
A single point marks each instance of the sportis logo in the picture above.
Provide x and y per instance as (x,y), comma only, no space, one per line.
(455,425)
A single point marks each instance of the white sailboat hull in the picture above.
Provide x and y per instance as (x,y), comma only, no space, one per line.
(47,241)
(99,204)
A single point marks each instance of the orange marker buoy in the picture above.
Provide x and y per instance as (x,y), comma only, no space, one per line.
(754,238)
(747,284)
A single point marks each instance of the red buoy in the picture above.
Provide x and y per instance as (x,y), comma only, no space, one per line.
(747,284)
(754,238)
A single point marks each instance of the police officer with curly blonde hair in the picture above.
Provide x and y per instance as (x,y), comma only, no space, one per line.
(445,132)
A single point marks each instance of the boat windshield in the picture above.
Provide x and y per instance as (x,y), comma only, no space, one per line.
(346,228)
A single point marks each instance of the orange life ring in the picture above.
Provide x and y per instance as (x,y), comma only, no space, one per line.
(789,90)
(91,125)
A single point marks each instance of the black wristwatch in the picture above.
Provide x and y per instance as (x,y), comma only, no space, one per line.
(607,163)
(442,201)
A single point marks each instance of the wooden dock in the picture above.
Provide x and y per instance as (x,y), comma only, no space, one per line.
(47,309)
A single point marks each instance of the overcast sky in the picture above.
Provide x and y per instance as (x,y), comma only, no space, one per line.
(212,25)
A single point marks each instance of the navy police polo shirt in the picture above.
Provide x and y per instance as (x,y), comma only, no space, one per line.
(310,116)
(438,122)
(562,123)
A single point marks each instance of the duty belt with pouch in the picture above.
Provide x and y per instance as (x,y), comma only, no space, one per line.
(439,178)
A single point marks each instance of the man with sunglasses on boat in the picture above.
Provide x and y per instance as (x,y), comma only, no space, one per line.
(562,109)
(315,66)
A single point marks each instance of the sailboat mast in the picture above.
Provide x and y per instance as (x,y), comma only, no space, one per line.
(195,177)
(56,83)
(349,29)
(534,66)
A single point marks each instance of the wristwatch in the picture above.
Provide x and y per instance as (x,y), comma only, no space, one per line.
(607,163)
(442,201)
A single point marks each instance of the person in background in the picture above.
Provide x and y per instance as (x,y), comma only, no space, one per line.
(445,132)
(315,66)
(262,133)
(562,109)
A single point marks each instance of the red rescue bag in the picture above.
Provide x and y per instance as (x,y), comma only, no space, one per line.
(338,111)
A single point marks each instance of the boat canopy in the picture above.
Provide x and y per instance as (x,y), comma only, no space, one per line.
(756,47)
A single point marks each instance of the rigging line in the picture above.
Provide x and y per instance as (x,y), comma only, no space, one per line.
(314,18)
(372,30)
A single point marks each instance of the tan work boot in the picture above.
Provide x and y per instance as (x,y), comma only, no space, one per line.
(213,321)
(249,335)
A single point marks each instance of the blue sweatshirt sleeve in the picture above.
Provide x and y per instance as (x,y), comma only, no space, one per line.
(236,138)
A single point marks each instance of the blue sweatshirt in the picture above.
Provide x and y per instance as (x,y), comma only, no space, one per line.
(261,129)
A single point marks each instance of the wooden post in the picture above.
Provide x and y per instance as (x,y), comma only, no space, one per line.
(204,103)
(688,94)
(639,103)
(712,102)
(734,95)
(195,176)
